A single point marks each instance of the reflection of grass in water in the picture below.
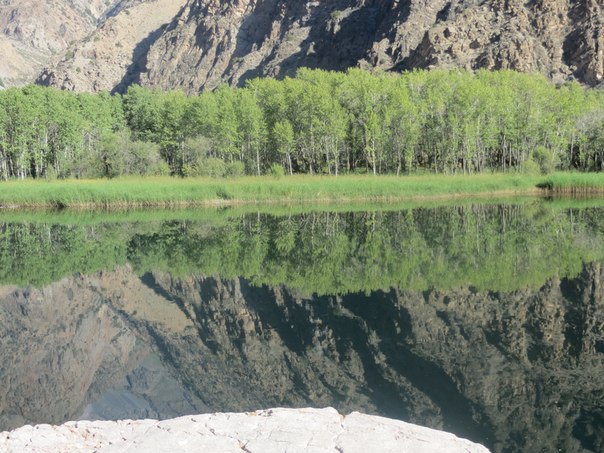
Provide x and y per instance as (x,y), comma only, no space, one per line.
(503,247)
(217,215)
(166,192)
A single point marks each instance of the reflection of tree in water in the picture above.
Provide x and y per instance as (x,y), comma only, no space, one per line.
(496,248)
(491,247)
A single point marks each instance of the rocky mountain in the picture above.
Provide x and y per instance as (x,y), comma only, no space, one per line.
(517,371)
(67,337)
(116,51)
(32,31)
(196,44)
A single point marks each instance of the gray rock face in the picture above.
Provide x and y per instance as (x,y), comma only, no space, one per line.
(270,431)
(210,41)
(32,31)
(519,366)
(115,50)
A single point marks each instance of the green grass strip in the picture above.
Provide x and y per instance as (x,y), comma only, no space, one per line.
(172,192)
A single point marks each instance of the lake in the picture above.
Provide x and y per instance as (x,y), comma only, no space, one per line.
(486,320)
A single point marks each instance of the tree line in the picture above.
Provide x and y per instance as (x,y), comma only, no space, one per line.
(319,122)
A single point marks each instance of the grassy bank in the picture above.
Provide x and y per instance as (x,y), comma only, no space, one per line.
(573,183)
(173,192)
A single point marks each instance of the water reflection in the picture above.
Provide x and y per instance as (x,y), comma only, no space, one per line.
(483,320)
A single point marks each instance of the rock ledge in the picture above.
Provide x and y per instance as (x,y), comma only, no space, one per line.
(273,430)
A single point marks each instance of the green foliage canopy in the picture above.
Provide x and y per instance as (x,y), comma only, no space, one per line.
(319,122)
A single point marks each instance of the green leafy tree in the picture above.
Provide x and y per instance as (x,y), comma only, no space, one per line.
(283,135)
(252,130)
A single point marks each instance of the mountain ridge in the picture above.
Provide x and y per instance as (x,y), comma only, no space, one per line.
(208,43)
(199,44)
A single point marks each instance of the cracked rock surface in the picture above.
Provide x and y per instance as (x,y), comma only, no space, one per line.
(273,430)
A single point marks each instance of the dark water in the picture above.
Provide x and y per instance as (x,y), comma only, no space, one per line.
(487,321)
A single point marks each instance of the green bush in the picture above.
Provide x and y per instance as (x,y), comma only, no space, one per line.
(546,159)
(360,171)
(142,158)
(160,168)
(194,151)
(276,170)
(530,167)
(212,166)
(109,159)
(235,169)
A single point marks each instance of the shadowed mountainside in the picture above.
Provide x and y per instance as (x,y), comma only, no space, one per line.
(208,42)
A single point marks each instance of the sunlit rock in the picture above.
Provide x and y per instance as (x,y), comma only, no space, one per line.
(274,430)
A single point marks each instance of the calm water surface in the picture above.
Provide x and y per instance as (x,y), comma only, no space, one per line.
(484,320)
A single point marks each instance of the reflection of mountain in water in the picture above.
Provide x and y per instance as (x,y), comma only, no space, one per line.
(518,370)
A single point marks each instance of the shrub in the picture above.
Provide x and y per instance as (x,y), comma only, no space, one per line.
(276,170)
(530,167)
(142,158)
(360,171)
(234,169)
(212,166)
(160,168)
(546,159)
(195,149)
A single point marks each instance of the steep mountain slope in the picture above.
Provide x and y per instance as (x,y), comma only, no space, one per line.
(210,41)
(115,50)
(560,39)
(31,31)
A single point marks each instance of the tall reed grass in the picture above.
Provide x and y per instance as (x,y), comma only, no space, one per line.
(164,192)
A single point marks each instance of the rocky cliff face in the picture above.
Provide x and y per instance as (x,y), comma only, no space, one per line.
(116,51)
(516,371)
(32,31)
(209,41)
(560,39)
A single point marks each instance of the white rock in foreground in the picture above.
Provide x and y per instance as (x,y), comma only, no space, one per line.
(274,430)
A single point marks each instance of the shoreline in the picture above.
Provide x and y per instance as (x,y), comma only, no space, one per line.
(171,193)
